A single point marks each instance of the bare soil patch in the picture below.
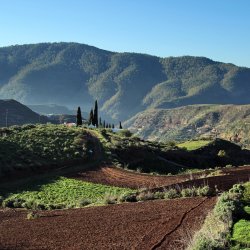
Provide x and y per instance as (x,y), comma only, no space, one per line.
(122,178)
(160,224)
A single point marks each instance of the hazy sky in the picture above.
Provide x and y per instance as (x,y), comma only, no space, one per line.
(218,29)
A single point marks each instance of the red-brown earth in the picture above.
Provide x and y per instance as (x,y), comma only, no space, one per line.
(160,224)
(122,178)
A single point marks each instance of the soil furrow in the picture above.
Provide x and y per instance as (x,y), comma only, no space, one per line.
(158,244)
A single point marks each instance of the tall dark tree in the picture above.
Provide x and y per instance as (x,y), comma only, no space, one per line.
(91,117)
(104,124)
(79,117)
(100,122)
(96,114)
(120,126)
(113,126)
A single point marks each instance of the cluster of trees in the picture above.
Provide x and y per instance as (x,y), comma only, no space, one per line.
(93,119)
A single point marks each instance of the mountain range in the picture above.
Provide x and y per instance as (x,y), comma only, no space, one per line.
(72,74)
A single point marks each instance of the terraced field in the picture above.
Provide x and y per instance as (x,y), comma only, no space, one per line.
(122,178)
(161,224)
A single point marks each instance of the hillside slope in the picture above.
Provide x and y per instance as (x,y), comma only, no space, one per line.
(225,121)
(72,74)
(18,114)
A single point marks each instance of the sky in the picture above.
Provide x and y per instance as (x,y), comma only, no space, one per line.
(217,29)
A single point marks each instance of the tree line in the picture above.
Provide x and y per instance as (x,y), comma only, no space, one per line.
(93,119)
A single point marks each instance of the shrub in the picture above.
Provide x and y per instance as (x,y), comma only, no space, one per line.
(144,196)
(128,198)
(159,195)
(205,191)
(125,133)
(215,232)
(188,192)
(171,194)
(110,199)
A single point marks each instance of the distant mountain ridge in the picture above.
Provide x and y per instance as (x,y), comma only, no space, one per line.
(231,122)
(72,74)
(15,113)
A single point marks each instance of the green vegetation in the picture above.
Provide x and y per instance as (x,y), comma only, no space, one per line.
(241,232)
(220,223)
(79,117)
(241,229)
(192,145)
(174,193)
(33,146)
(230,122)
(61,193)
(39,73)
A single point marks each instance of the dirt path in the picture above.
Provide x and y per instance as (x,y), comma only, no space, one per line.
(159,224)
(122,178)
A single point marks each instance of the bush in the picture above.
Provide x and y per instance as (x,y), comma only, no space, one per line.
(188,192)
(110,199)
(215,232)
(159,195)
(171,194)
(125,133)
(205,191)
(128,198)
(145,196)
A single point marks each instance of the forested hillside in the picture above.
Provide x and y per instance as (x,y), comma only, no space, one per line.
(72,74)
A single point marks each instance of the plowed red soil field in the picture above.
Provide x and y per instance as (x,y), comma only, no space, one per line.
(122,178)
(160,224)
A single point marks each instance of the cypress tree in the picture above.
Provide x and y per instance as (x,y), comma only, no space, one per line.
(120,126)
(113,126)
(100,122)
(96,114)
(91,117)
(104,124)
(79,117)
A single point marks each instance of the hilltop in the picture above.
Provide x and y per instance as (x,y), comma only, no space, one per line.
(72,74)
(18,114)
(31,148)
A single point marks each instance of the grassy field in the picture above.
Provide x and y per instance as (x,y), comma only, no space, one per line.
(192,145)
(61,193)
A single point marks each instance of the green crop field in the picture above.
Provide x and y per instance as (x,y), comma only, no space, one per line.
(61,193)
(192,145)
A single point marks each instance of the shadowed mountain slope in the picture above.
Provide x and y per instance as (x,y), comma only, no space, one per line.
(74,74)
